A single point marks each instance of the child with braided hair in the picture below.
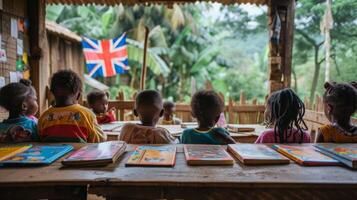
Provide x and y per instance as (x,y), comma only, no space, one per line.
(284,111)
(340,103)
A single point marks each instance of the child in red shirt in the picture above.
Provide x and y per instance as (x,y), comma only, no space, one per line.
(98,102)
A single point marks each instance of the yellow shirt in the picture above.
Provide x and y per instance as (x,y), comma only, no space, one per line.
(73,123)
(332,134)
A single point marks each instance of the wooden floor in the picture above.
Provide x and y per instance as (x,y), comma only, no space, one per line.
(116,181)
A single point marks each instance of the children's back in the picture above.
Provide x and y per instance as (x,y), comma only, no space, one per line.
(284,111)
(206,107)
(20,100)
(149,108)
(68,121)
(340,103)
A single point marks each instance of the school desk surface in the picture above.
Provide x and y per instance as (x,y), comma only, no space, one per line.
(176,130)
(180,182)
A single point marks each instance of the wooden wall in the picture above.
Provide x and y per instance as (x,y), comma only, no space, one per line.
(12,9)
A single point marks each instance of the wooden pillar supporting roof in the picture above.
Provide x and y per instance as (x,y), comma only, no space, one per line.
(280,56)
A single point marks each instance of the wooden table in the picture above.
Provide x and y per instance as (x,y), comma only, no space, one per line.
(244,137)
(180,182)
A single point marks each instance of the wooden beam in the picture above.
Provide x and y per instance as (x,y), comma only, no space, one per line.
(38,59)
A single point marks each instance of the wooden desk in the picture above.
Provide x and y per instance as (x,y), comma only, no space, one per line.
(246,137)
(180,182)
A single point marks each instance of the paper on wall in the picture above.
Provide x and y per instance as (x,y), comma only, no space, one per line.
(20,47)
(2,81)
(14,28)
(1,4)
(13,77)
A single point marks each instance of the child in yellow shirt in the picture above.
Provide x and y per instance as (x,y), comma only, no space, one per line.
(68,121)
(168,117)
(340,103)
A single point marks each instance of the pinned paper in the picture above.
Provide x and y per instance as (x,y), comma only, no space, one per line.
(25,58)
(14,28)
(2,81)
(20,47)
(1,4)
(21,25)
(19,75)
(3,55)
(13,77)
(26,74)
(19,65)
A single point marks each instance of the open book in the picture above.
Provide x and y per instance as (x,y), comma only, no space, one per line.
(164,155)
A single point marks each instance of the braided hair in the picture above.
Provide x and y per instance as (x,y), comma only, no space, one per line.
(343,98)
(286,110)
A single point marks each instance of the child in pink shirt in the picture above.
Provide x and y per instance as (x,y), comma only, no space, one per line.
(285,112)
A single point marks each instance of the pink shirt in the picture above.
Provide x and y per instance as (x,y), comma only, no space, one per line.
(269,137)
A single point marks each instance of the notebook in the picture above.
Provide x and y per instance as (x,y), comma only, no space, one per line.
(207,155)
(8,151)
(38,155)
(111,127)
(345,153)
(164,156)
(238,128)
(256,154)
(96,154)
(185,125)
(305,154)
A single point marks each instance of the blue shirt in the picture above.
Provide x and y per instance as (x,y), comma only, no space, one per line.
(194,136)
(22,129)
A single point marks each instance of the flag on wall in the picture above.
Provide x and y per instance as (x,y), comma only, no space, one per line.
(105,58)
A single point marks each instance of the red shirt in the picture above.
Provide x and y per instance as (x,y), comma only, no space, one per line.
(106,118)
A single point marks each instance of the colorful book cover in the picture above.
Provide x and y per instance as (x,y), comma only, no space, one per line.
(207,155)
(305,154)
(256,154)
(153,156)
(345,153)
(8,151)
(38,155)
(96,154)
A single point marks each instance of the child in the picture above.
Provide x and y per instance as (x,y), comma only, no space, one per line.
(284,111)
(149,108)
(98,101)
(168,118)
(206,107)
(20,100)
(68,121)
(340,103)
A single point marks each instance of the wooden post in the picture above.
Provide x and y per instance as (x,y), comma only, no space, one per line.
(39,61)
(144,67)
(280,56)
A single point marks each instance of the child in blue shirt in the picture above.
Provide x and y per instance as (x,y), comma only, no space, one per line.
(206,107)
(20,100)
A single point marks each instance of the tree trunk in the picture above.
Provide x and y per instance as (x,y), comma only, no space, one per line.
(316,74)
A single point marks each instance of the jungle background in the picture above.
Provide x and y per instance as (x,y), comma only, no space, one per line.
(225,45)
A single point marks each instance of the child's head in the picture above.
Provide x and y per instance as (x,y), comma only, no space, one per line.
(169,109)
(206,107)
(148,107)
(66,87)
(98,101)
(340,100)
(19,98)
(285,110)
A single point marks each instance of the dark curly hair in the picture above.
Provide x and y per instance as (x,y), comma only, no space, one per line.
(286,110)
(96,95)
(343,98)
(206,107)
(66,80)
(168,104)
(14,94)
(148,98)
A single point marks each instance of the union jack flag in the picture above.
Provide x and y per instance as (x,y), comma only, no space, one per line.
(105,58)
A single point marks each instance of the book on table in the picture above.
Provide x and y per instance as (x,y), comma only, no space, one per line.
(96,154)
(256,154)
(111,127)
(38,155)
(239,128)
(186,125)
(305,154)
(345,153)
(207,155)
(163,155)
(8,151)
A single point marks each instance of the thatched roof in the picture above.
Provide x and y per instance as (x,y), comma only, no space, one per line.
(61,31)
(132,2)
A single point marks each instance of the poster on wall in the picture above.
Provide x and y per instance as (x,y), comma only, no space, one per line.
(2,51)
(2,81)
(14,28)
(1,6)
(20,47)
